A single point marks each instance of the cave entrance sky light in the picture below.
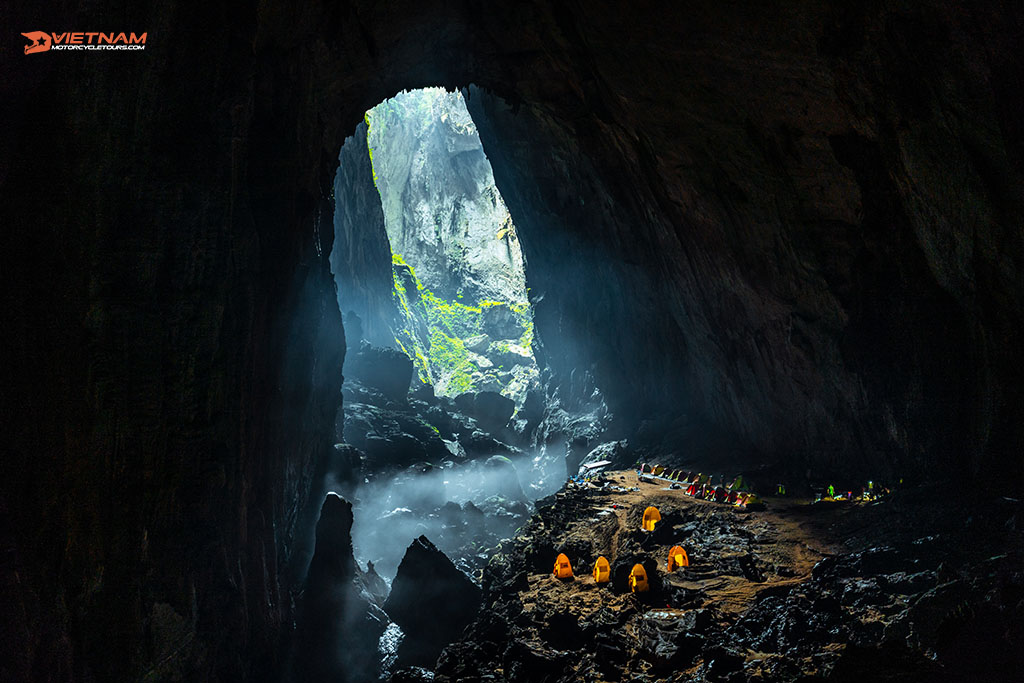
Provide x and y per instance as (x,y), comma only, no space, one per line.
(428,262)
(460,305)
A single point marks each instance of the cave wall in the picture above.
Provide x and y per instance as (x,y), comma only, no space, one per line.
(824,231)
(809,215)
(361,257)
(175,351)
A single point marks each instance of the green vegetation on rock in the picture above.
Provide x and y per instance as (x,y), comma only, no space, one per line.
(453,316)
(442,358)
(448,219)
(449,356)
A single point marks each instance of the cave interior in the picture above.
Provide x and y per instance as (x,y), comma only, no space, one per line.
(774,240)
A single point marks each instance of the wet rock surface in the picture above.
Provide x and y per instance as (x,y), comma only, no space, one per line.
(795,593)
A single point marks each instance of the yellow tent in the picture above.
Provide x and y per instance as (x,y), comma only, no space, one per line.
(563,570)
(638,579)
(677,557)
(658,469)
(651,517)
(602,570)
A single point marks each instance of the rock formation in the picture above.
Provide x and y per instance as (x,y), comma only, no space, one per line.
(360,260)
(432,601)
(339,622)
(415,182)
(442,211)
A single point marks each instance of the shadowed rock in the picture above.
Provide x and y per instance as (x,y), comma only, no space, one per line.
(386,370)
(432,601)
(338,627)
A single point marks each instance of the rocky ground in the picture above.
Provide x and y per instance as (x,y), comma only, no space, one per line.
(909,588)
(425,467)
(922,585)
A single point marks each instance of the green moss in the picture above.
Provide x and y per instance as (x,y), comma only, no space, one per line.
(450,353)
(369,149)
(455,318)
(444,355)
(526,341)
(405,337)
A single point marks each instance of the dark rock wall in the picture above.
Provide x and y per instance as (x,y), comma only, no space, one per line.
(807,220)
(361,258)
(824,239)
(174,351)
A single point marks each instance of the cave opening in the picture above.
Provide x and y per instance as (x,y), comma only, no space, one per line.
(442,387)
(443,394)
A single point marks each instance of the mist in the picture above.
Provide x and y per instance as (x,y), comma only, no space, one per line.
(464,509)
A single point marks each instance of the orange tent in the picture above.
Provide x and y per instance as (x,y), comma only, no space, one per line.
(651,517)
(638,579)
(602,570)
(677,557)
(563,570)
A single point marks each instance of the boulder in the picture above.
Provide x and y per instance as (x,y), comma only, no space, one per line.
(509,354)
(466,402)
(501,322)
(492,410)
(432,601)
(387,370)
(422,391)
(617,452)
(667,639)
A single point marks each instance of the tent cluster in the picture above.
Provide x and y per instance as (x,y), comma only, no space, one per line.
(699,485)
(637,579)
(870,492)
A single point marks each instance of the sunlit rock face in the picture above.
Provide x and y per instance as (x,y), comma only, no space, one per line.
(820,244)
(414,184)
(442,212)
